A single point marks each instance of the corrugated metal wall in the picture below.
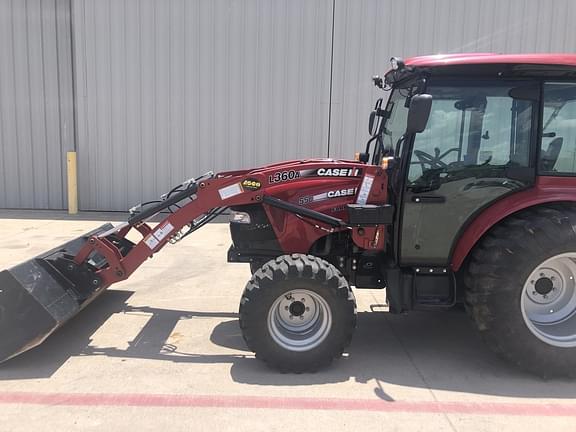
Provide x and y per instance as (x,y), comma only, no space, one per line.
(36,103)
(368,32)
(168,89)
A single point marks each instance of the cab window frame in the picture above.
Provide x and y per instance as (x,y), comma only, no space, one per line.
(541,121)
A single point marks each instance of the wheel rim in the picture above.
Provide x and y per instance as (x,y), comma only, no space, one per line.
(299,320)
(549,301)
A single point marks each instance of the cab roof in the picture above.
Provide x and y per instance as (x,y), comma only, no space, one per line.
(491,58)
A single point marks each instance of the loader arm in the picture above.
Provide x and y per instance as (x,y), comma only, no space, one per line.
(201,197)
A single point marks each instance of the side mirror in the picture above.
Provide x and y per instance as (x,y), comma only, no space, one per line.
(373,124)
(418,113)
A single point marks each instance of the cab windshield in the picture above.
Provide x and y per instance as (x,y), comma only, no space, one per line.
(397,111)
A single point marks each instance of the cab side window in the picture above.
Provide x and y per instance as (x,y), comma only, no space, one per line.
(471,131)
(558,145)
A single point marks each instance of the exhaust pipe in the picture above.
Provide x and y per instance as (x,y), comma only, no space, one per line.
(41,294)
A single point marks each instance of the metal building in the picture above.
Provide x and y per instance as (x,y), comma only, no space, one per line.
(150,92)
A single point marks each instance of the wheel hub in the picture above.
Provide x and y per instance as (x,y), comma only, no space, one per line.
(546,285)
(297,308)
(299,320)
(543,286)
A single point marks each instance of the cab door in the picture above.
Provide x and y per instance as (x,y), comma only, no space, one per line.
(476,148)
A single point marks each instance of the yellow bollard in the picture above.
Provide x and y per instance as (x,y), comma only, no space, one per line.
(72,183)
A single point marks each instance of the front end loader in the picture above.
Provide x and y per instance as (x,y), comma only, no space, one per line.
(464,194)
(41,294)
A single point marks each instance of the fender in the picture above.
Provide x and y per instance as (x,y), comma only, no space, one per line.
(546,190)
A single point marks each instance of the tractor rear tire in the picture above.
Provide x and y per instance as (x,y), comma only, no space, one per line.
(297,313)
(521,291)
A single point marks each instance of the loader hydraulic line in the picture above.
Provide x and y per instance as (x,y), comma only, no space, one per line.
(163,205)
(190,187)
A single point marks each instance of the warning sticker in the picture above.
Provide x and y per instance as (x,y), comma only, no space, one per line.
(162,232)
(151,241)
(365,190)
(230,191)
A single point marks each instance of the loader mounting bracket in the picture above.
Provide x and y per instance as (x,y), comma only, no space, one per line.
(81,279)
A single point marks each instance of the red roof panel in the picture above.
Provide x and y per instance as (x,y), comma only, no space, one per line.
(491,58)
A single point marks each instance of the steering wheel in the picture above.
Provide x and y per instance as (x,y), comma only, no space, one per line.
(433,162)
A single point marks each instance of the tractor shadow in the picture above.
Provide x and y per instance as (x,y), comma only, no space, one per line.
(68,341)
(439,351)
(421,350)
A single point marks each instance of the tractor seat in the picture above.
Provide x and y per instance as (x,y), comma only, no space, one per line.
(549,157)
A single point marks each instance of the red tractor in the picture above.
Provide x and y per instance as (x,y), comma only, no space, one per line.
(465,194)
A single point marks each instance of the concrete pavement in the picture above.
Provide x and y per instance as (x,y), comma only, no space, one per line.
(163,351)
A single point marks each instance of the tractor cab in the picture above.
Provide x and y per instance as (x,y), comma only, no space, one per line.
(460,134)
(488,129)
(475,148)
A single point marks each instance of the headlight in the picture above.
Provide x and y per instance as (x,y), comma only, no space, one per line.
(240,217)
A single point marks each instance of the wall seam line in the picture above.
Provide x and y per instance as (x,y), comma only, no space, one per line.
(331,77)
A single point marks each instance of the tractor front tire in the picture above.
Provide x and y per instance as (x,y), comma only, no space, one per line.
(255,265)
(297,313)
(521,290)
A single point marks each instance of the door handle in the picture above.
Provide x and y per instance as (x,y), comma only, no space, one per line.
(429,199)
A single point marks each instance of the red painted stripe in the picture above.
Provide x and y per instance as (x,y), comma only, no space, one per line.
(161,400)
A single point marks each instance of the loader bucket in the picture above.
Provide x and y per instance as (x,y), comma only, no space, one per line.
(38,296)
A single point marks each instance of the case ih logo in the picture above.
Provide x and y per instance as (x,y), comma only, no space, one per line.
(338,172)
(341,193)
(327,195)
